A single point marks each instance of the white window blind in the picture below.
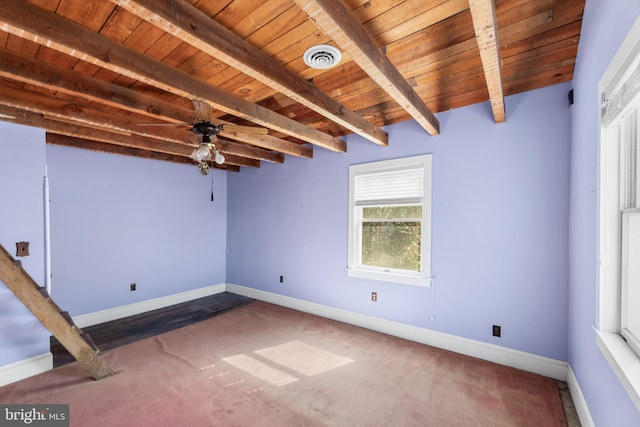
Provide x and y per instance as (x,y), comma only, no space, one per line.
(389,187)
(622,89)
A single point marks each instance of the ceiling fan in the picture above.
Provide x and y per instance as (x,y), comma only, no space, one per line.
(209,131)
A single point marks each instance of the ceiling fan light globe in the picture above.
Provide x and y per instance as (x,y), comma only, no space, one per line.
(219,158)
(203,152)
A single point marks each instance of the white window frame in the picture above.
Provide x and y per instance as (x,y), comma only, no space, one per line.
(422,278)
(617,98)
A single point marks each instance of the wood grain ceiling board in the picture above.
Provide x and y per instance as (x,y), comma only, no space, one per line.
(431,43)
(203,33)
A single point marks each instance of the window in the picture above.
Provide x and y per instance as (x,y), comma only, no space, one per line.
(619,275)
(390,220)
(630,230)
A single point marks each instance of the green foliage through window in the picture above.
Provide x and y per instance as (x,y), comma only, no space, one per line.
(391,237)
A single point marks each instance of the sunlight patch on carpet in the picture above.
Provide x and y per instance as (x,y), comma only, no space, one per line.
(303,358)
(260,370)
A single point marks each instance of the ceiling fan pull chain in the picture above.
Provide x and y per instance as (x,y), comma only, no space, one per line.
(212,189)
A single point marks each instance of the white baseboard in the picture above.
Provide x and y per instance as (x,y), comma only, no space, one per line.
(504,356)
(579,401)
(116,313)
(521,360)
(25,368)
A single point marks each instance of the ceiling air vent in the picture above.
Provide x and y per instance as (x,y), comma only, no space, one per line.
(322,56)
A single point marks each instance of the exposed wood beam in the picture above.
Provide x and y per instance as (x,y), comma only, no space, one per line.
(49,29)
(53,77)
(483,13)
(270,142)
(189,24)
(69,141)
(49,76)
(336,21)
(63,110)
(27,118)
(229,147)
(58,110)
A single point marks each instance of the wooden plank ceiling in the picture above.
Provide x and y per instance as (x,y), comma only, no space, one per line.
(92,72)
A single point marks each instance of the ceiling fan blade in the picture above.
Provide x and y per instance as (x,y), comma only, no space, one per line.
(245,129)
(203,110)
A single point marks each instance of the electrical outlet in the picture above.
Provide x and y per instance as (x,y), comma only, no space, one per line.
(374,296)
(133,287)
(496,330)
(281,279)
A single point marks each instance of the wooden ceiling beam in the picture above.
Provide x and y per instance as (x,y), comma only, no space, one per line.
(49,76)
(28,118)
(336,21)
(49,29)
(32,71)
(269,142)
(229,147)
(483,13)
(69,141)
(189,24)
(59,110)
(63,110)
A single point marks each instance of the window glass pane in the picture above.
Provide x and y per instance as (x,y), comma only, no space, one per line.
(394,245)
(392,212)
(630,161)
(631,279)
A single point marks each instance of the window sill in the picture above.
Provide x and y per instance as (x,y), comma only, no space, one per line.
(390,277)
(624,362)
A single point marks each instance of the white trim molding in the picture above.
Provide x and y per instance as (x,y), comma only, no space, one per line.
(122,311)
(619,97)
(578,400)
(25,368)
(624,362)
(548,367)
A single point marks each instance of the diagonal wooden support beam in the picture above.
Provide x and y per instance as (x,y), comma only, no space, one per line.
(483,13)
(50,315)
(337,22)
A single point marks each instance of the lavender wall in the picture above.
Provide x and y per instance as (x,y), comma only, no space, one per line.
(117,220)
(500,212)
(604,27)
(22,163)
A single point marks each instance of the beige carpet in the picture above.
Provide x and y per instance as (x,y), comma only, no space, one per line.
(264,365)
